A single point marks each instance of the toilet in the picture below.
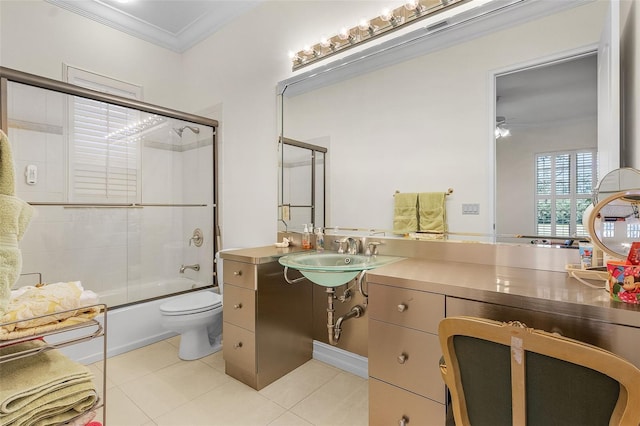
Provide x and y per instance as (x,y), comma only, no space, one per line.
(197,317)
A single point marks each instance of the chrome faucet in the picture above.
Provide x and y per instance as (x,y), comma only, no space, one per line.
(352,245)
(195,267)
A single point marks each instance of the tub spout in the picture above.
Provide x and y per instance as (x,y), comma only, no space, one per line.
(195,267)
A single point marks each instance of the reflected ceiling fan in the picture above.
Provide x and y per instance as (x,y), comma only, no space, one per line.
(501,130)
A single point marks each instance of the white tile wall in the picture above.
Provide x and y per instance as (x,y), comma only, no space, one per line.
(108,249)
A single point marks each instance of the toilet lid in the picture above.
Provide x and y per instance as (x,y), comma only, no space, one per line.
(192,303)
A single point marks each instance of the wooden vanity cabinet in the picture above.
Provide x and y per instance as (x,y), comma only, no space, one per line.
(405,386)
(266,322)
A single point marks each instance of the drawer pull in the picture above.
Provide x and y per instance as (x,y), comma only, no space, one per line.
(402,307)
(237,345)
(237,273)
(237,306)
(402,358)
(404,421)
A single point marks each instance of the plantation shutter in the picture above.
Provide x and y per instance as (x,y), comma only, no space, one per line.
(104,154)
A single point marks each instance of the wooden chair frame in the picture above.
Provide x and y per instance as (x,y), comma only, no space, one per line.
(520,339)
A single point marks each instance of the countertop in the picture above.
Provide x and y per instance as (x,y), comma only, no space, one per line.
(553,292)
(547,291)
(258,255)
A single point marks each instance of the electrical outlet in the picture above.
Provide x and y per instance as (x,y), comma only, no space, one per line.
(471,209)
(286,212)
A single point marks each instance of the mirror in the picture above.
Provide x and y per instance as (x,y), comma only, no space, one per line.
(615,223)
(301,186)
(546,144)
(619,180)
(425,123)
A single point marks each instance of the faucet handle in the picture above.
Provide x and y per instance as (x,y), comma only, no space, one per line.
(340,245)
(372,248)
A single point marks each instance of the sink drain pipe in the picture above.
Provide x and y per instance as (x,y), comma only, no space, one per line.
(335,329)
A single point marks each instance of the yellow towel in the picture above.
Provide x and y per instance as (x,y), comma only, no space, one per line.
(405,213)
(15,216)
(7,178)
(54,408)
(432,211)
(53,300)
(27,379)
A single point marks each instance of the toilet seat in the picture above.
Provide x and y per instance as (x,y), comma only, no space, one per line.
(192,303)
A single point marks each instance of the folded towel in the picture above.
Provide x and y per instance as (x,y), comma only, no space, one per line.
(54,408)
(57,301)
(7,173)
(82,315)
(432,211)
(27,379)
(405,213)
(15,216)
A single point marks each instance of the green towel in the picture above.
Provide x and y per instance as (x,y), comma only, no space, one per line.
(432,211)
(15,216)
(27,380)
(405,213)
(7,178)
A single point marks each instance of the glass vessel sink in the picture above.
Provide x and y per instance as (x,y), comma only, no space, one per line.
(330,269)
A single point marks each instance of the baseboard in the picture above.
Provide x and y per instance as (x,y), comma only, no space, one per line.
(339,358)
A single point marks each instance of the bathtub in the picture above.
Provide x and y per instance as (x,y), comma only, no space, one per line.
(135,291)
(128,327)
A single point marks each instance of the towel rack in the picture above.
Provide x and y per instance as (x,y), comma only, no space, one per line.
(449,192)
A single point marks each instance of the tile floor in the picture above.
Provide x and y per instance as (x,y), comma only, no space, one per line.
(151,386)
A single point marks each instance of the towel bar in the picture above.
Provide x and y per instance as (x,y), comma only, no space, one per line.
(449,192)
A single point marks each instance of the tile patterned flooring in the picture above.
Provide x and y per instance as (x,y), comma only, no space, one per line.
(151,386)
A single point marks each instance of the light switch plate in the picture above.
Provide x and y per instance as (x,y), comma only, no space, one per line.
(471,209)
(286,213)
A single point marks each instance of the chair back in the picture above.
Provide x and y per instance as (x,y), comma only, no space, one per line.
(509,374)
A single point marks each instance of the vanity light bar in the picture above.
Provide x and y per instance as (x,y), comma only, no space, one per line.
(366,30)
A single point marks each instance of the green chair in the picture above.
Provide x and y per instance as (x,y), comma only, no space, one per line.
(508,374)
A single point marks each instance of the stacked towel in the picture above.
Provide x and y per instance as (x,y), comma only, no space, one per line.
(15,216)
(405,217)
(34,310)
(432,212)
(43,389)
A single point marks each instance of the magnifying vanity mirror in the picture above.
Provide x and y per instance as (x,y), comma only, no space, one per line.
(614,222)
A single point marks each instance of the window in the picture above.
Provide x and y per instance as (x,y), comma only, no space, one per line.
(104,154)
(564,187)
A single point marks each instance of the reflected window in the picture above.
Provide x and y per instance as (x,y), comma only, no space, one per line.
(564,188)
(608,229)
(633,231)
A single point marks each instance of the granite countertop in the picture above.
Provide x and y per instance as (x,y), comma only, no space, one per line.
(553,292)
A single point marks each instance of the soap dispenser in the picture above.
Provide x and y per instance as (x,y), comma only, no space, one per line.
(306,238)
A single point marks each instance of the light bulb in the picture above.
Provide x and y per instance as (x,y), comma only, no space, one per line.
(411,4)
(307,49)
(344,33)
(363,25)
(386,14)
(325,42)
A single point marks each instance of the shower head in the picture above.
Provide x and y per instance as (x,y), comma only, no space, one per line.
(179,131)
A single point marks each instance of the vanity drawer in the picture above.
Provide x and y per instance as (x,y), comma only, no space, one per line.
(240,274)
(409,308)
(407,358)
(239,347)
(389,405)
(239,307)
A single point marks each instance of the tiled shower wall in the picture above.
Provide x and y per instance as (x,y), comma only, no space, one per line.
(117,252)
